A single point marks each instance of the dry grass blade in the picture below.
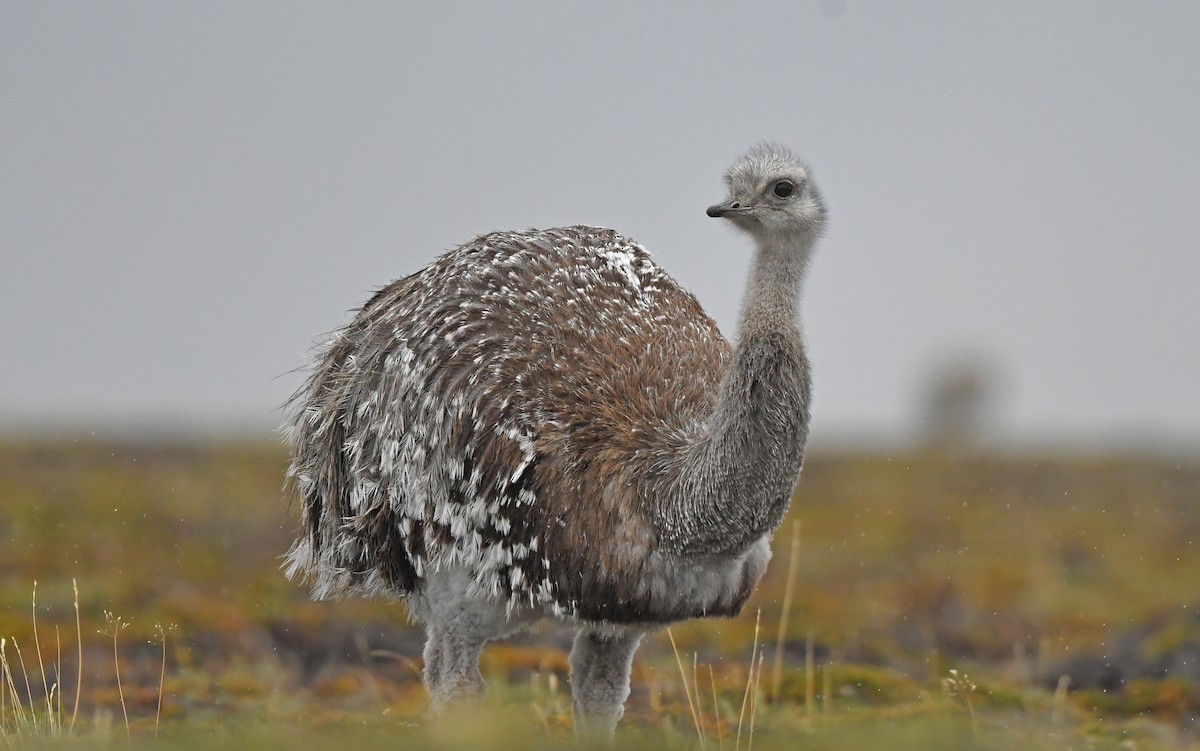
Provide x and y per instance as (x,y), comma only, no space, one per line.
(3,691)
(115,625)
(28,689)
(79,641)
(716,709)
(754,703)
(58,676)
(745,702)
(37,649)
(785,612)
(162,675)
(749,681)
(687,691)
(696,692)
(22,720)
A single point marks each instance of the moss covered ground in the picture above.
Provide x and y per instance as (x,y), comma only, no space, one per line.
(1060,590)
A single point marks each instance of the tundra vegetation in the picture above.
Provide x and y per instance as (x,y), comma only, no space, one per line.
(915,600)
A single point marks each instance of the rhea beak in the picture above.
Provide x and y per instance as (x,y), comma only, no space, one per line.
(726,209)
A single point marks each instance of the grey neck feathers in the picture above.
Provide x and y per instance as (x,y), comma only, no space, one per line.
(739,472)
(773,289)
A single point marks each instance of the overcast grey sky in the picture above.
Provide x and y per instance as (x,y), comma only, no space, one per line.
(192,192)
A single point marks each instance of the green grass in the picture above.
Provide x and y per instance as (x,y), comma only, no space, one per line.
(908,566)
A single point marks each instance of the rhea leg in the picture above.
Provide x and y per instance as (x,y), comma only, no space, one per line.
(451,672)
(457,626)
(600,664)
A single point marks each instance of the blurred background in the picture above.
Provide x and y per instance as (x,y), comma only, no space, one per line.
(194,193)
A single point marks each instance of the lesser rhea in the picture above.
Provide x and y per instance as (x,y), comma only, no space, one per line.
(543,423)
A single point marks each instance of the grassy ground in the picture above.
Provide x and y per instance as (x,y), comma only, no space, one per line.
(1011,571)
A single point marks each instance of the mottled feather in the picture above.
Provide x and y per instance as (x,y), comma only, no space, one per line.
(513,408)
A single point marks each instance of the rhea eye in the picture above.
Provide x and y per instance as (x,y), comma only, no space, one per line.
(784,188)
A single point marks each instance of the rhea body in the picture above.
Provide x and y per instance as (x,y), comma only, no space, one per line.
(543,423)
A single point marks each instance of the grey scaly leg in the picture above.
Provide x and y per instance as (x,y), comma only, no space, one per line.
(600,664)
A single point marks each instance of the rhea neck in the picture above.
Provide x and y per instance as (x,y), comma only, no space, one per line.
(739,473)
(773,288)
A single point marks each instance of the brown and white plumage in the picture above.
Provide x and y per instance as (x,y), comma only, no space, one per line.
(544,422)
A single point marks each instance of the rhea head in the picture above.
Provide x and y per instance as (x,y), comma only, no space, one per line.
(772,196)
